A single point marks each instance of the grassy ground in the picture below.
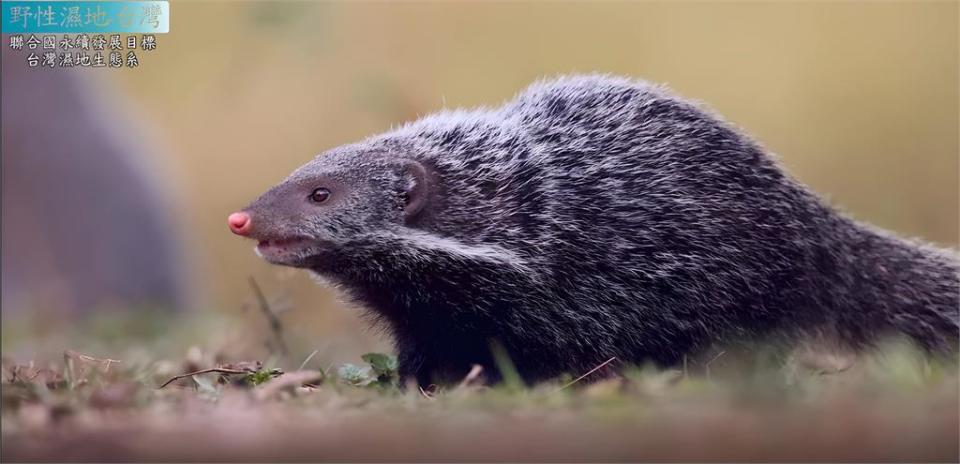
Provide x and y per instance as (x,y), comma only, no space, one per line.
(101,401)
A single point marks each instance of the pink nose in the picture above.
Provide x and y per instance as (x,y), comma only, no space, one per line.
(239,223)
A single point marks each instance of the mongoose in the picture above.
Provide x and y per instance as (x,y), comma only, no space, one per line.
(591,217)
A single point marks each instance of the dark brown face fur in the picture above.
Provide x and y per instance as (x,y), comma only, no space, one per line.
(280,219)
(359,193)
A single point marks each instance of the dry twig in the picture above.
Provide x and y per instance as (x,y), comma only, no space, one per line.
(595,369)
(219,370)
(472,377)
(275,325)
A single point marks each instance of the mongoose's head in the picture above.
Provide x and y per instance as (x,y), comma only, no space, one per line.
(338,197)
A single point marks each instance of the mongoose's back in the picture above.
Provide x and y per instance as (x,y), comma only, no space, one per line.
(594,217)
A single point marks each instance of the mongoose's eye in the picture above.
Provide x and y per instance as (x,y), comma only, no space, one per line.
(319,195)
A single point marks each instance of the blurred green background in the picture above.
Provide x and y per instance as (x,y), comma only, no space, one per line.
(859,99)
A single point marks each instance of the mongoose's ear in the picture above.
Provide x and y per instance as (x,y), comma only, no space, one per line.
(416,187)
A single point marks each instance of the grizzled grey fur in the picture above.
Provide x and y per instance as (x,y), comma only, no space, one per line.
(591,217)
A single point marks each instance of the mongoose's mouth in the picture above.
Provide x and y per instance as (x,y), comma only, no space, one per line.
(287,251)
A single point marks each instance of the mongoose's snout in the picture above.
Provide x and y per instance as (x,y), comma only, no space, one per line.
(239,223)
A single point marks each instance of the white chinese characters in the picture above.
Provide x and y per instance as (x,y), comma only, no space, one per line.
(83,50)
